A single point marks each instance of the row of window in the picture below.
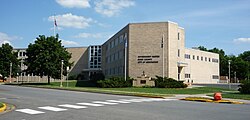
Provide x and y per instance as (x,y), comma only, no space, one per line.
(120,39)
(114,57)
(95,57)
(187,56)
(213,76)
(115,71)
(21,54)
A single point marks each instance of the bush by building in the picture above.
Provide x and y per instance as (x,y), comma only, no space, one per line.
(115,82)
(245,87)
(168,83)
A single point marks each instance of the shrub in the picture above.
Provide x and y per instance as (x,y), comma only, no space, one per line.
(114,82)
(168,83)
(72,77)
(245,87)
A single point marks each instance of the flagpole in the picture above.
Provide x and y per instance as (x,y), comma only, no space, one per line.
(125,63)
(163,58)
(54,26)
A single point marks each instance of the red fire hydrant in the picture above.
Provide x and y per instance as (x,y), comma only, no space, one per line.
(217,96)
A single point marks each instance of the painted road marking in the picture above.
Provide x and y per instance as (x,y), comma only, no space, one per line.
(131,100)
(73,106)
(52,108)
(91,104)
(30,111)
(105,103)
(117,101)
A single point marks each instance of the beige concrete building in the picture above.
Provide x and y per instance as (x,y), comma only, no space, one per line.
(157,48)
(154,48)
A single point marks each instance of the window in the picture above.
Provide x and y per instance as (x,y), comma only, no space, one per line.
(187,56)
(215,60)
(178,36)
(20,53)
(201,58)
(215,76)
(205,58)
(197,57)
(209,59)
(193,57)
(178,52)
(187,76)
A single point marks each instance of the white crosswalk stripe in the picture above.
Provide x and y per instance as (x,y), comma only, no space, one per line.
(83,105)
(56,109)
(91,104)
(118,101)
(105,103)
(73,106)
(30,111)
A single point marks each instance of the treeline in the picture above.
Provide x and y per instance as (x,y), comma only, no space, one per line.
(240,65)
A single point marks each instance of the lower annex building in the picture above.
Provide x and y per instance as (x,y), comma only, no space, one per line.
(153,48)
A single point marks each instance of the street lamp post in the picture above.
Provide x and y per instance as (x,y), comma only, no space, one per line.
(10,71)
(67,76)
(229,63)
(61,73)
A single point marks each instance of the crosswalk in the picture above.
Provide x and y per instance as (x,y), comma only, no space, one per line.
(85,105)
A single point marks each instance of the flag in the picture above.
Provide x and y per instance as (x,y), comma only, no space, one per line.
(55,23)
(162,41)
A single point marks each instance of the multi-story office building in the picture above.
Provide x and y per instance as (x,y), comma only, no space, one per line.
(157,49)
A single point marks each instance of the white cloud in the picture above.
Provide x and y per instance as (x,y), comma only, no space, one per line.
(112,7)
(69,43)
(5,38)
(242,40)
(89,35)
(74,3)
(73,21)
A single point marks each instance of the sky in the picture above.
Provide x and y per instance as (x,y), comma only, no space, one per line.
(224,24)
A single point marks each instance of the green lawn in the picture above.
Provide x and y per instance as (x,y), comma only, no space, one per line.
(88,86)
(236,96)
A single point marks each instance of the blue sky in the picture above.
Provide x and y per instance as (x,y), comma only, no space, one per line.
(224,24)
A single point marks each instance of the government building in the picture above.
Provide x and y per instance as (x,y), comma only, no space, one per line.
(152,48)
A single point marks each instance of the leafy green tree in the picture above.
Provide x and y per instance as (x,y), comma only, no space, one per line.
(45,55)
(246,57)
(8,57)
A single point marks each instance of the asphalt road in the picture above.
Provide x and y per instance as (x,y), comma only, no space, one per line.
(46,104)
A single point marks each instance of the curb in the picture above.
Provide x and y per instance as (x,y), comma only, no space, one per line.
(201,99)
(3,108)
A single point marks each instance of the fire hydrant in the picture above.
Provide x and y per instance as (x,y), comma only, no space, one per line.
(217,96)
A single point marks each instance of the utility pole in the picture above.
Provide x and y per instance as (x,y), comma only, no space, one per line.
(61,73)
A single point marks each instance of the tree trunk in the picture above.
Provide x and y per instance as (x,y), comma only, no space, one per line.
(48,79)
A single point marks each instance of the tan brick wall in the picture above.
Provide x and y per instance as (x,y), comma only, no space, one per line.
(79,55)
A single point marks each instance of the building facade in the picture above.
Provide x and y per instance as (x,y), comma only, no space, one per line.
(153,48)
(157,49)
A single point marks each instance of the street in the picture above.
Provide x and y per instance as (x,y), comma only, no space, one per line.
(48,104)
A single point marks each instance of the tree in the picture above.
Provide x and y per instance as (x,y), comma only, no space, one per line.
(246,57)
(8,57)
(45,55)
